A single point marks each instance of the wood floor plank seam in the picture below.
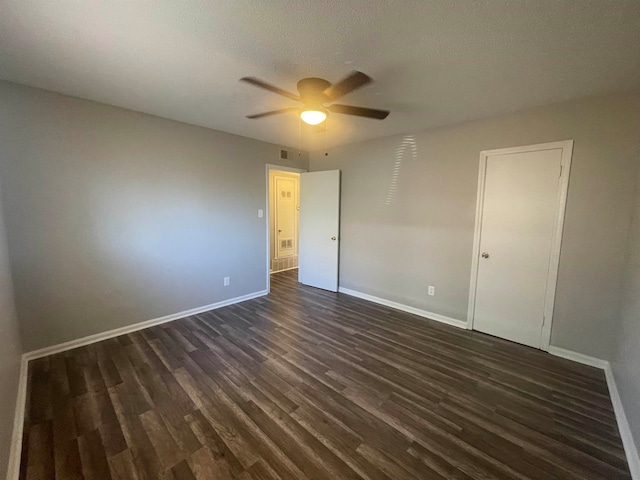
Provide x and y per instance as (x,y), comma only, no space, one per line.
(305,384)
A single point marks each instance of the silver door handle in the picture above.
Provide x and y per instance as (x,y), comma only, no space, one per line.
(485,255)
(333,238)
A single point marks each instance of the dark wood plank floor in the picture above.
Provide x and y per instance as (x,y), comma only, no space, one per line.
(307,384)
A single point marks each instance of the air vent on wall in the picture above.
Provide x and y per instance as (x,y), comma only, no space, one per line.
(284,154)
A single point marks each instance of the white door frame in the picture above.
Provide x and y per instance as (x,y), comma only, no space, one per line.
(556,241)
(269,167)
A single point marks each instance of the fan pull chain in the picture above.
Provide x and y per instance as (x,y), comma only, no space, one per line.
(326,137)
(299,136)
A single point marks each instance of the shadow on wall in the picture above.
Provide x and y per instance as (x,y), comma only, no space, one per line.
(408,146)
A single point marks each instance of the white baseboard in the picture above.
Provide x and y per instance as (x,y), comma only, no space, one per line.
(271,272)
(98,337)
(623,425)
(405,308)
(18,424)
(13,473)
(578,357)
(16,442)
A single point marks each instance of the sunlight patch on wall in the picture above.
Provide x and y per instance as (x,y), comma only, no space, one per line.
(408,146)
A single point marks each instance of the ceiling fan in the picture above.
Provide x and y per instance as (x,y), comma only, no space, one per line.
(316,93)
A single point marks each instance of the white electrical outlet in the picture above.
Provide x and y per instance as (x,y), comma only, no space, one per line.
(260,213)
(432,290)
(226,281)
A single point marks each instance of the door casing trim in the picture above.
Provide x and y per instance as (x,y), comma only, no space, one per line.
(270,166)
(554,262)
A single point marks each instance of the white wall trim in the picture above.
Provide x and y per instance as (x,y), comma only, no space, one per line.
(273,166)
(552,277)
(18,422)
(283,270)
(98,337)
(623,425)
(630,447)
(578,357)
(405,308)
(268,167)
(15,452)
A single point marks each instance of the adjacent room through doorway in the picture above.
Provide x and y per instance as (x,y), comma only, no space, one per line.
(303,224)
(264,241)
(284,205)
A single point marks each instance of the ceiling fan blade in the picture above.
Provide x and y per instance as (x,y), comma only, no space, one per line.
(274,112)
(259,83)
(347,85)
(359,111)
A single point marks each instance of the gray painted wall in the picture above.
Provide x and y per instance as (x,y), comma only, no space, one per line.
(408,212)
(626,365)
(10,351)
(116,217)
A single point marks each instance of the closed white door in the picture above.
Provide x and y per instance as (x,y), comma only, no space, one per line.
(286,216)
(319,229)
(519,213)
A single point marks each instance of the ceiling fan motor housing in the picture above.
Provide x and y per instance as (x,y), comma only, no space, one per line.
(315,93)
(312,89)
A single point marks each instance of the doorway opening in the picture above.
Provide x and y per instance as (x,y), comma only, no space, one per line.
(282,256)
(303,224)
(284,207)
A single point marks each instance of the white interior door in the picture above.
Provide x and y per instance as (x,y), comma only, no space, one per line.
(518,219)
(286,216)
(319,229)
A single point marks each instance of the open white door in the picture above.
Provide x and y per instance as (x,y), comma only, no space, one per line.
(319,229)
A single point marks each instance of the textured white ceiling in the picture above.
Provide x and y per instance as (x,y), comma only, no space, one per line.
(434,62)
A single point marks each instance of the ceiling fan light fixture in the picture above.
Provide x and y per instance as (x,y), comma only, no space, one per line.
(314,93)
(313,116)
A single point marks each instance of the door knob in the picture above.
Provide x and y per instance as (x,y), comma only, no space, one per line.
(485,255)
(333,238)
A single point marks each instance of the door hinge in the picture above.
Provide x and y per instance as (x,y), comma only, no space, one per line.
(544,318)
(560,171)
